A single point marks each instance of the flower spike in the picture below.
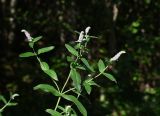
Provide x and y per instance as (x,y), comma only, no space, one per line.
(27,34)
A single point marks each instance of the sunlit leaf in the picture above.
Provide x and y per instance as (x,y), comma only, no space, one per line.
(110,77)
(75,76)
(44,66)
(80,67)
(37,39)
(3,99)
(45,49)
(85,62)
(71,50)
(87,87)
(53,112)
(136,24)
(93,83)
(51,73)
(31,44)
(69,59)
(12,104)
(77,103)
(27,54)
(101,66)
(47,88)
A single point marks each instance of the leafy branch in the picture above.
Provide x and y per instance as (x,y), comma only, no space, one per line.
(77,62)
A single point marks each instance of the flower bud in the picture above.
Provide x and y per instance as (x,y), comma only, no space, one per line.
(81,36)
(27,34)
(116,57)
(14,95)
(87,30)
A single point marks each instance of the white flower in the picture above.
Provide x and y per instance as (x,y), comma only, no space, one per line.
(116,57)
(81,36)
(14,95)
(27,34)
(87,30)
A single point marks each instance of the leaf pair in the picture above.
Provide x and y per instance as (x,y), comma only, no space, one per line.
(40,51)
(48,71)
(88,85)
(75,53)
(102,68)
(71,50)
(75,76)
(34,40)
(51,89)
(85,62)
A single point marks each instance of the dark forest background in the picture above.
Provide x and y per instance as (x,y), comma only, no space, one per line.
(131,25)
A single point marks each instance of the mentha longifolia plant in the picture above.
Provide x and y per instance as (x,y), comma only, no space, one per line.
(78,62)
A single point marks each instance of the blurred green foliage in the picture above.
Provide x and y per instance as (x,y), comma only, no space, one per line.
(135,28)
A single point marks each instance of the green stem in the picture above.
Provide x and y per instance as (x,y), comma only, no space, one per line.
(99,73)
(66,82)
(1,110)
(68,90)
(59,99)
(36,55)
(56,85)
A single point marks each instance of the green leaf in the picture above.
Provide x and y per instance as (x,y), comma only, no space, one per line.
(80,67)
(71,50)
(69,59)
(45,49)
(37,39)
(77,103)
(12,104)
(87,87)
(53,112)
(44,66)
(47,88)
(136,24)
(51,73)
(101,66)
(3,99)
(27,54)
(75,76)
(91,82)
(85,62)
(61,108)
(31,44)
(109,76)
(74,112)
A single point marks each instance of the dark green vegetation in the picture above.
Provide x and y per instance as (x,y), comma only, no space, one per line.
(134,28)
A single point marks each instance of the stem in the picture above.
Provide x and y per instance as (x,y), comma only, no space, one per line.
(68,90)
(59,98)
(36,55)
(56,85)
(99,73)
(1,110)
(66,82)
